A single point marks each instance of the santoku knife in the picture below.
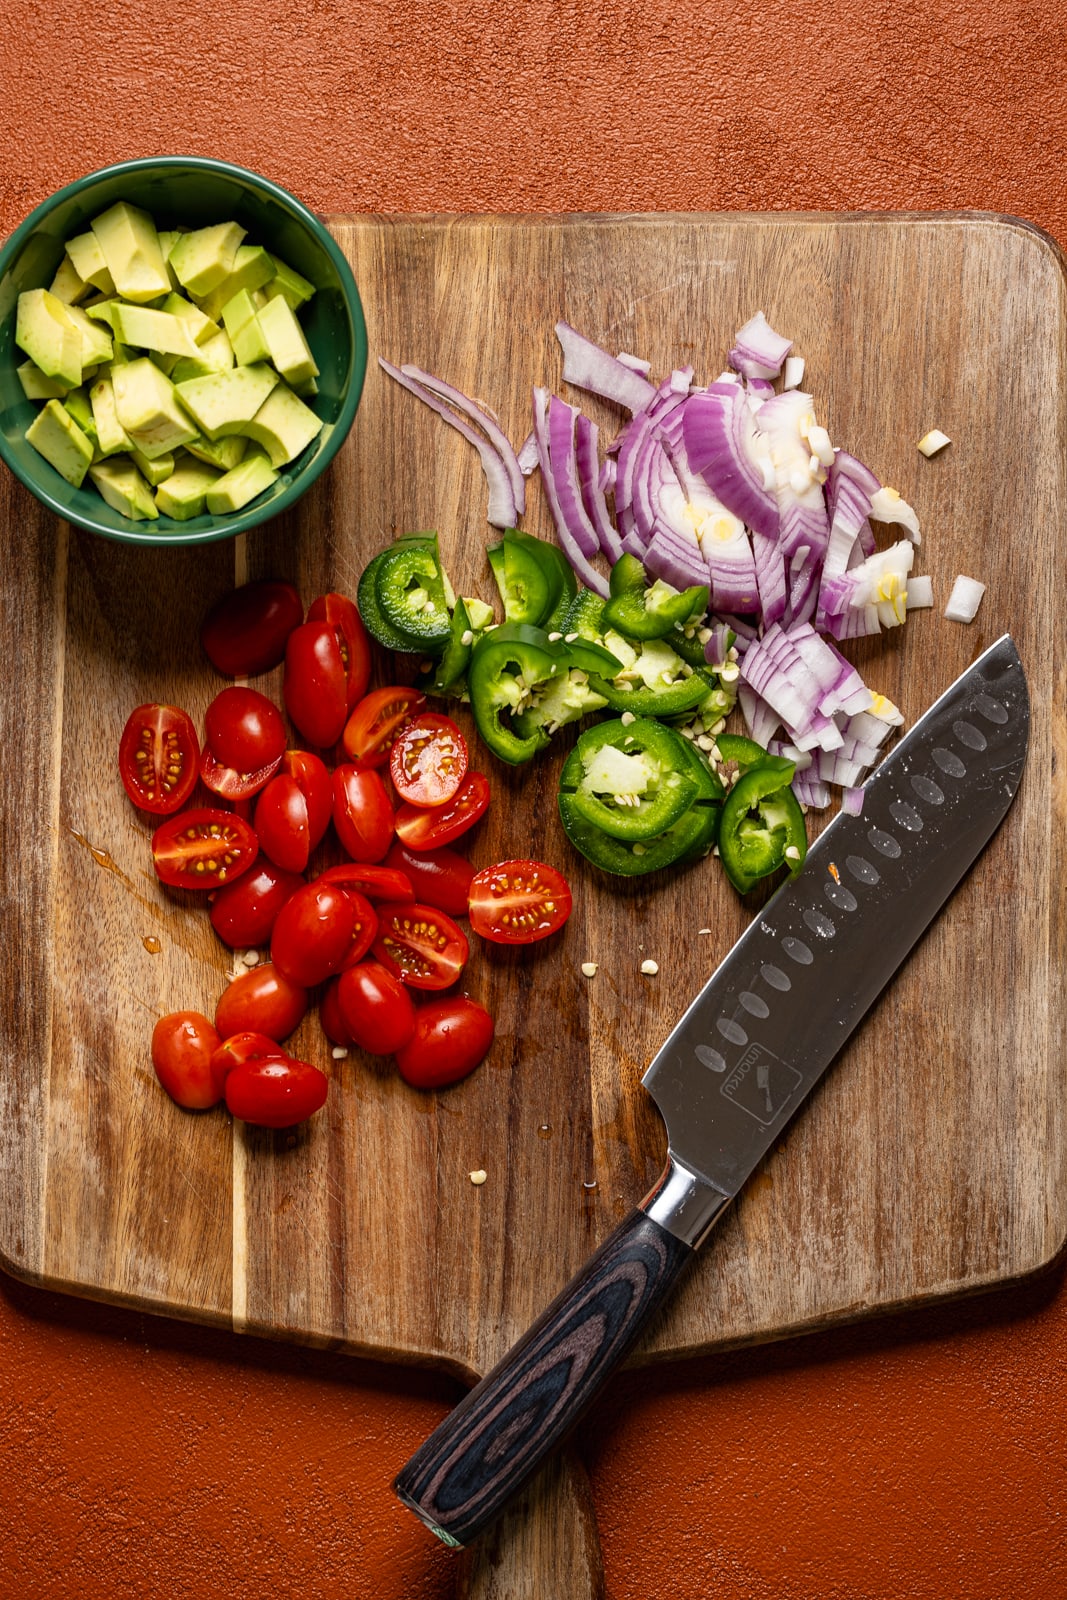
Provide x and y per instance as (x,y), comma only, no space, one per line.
(743,1058)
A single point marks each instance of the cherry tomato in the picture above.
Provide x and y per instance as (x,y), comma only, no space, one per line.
(333,1023)
(428,760)
(244,913)
(423,828)
(159,754)
(183,1045)
(245,632)
(315,685)
(366,929)
(239,1048)
(244,741)
(202,849)
(347,623)
(451,1038)
(375,1008)
(311,774)
(261,1000)
(420,945)
(314,933)
(440,878)
(281,823)
(376,721)
(516,902)
(362,813)
(377,883)
(277,1093)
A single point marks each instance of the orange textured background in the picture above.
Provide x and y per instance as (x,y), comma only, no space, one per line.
(918,1458)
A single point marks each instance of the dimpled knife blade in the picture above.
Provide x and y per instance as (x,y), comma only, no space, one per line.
(772,1017)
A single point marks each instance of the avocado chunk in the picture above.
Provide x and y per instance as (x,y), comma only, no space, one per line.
(148,408)
(97,343)
(87,259)
(36,385)
(182,495)
(45,329)
(286,344)
(111,435)
(221,453)
(157,471)
(130,244)
(235,489)
(204,258)
(288,283)
(55,435)
(283,425)
(252,268)
(214,355)
(227,401)
(124,489)
(67,285)
(202,328)
(152,329)
(242,325)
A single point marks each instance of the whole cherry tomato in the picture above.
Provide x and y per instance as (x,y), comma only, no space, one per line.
(420,945)
(242,1047)
(314,933)
(428,760)
(430,827)
(159,755)
(183,1045)
(261,1000)
(244,741)
(352,640)
(451,1038)
(245,633)
(244,913)
(375,1008)
(315,685)
(440,878)
(362,813)
(376,721)
(202,849)
(293,810)
(516,902)
(276,1093)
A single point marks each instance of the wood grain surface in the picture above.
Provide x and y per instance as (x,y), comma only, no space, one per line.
(930,1162)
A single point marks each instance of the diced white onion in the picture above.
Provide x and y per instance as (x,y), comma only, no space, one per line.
(920,593)
(794,372)
(965,599)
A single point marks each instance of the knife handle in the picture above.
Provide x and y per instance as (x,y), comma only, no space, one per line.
(487,1448)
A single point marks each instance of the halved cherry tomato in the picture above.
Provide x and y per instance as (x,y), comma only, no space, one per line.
(377,719)
(159,755)
(315,932)
(333,1023)
(451,1038)
(183,1045)
(420,945)
(362,813)
(377,883)
(440,878)
(203,849)
(375,1008)
(245,632)
(516,902)
(244,741)
(366,929)
(261,1000)
(428,760)
(244,913)
(427,828)
(276,1093)
(239,1048)
(346,621)
(315,685)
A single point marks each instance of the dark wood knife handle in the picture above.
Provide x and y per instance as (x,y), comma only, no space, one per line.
(504,1428)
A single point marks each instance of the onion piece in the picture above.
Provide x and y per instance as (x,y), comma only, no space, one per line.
(590,481)
(720,438)
(932,442)
(590,366)
(852,801)
(483,417)
(758,351)
(920,593)
(793,375)
(965,599)
(562,494)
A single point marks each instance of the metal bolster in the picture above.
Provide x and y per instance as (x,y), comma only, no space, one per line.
(686,1205)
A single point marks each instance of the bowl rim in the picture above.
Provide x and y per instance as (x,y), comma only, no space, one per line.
(242,521)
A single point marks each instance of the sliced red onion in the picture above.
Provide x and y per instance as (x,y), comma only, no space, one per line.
(761,721)
(852,801)
(770,576)
(561,491)
(527,455)
(483,417)
(746,630)
(590,366)
(717,648)
(504,510)
(635,363)
(732,569)
(887,506)
(758,351)
(811,792)
(589,479)
(674,558)
(721,444)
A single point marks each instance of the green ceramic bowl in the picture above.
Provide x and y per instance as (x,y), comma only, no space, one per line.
(193,192)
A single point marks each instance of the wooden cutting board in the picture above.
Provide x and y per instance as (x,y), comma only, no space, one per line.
(929,1164)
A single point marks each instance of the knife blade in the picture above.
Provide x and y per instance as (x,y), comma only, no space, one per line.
(735,1070)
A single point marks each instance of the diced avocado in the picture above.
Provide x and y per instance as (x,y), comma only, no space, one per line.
(148,408)
(238,311)
(288,283)
(110,433)
(283,425)
(124,489)
(166,364)
(55,435)
(285,341)
(152,330)
(204,258)
(127,236)
(235,489)
(227,401)
(78,406)
(168,238)
(182,496)
(102,310)
(45,329)
(202,328)
(157,471)
(96,340)
(221,453)
(121,354)
(252,267)
(36,385)
(306,390)
(246,336)
(87,259)
(214,355)
(67,285)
